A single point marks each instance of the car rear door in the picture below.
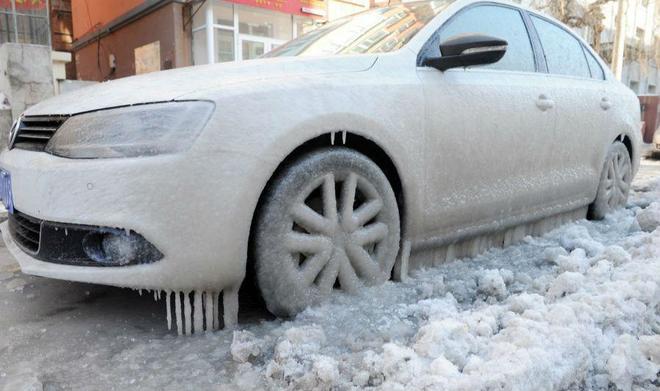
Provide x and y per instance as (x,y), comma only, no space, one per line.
(487,128)
(583,107)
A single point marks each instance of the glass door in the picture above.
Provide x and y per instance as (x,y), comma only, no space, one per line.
(252,49)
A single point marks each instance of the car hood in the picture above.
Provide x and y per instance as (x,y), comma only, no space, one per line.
(173,84)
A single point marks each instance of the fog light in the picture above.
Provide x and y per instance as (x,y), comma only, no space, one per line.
(118,248)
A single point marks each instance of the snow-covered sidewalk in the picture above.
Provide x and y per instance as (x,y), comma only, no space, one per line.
(576,309)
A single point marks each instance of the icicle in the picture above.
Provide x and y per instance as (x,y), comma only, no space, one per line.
(169,310)
(177,309)
(332,138)
(216,311)
(155,295)
(208,309)
(230,307)
(199,313)
(187,313)
(140,292)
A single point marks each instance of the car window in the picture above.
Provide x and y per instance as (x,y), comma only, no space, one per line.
(594,66)
(501,22)
(563,52)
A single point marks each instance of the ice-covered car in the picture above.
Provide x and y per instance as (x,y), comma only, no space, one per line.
(375,143)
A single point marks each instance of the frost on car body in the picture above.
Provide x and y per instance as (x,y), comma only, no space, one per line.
(474,134)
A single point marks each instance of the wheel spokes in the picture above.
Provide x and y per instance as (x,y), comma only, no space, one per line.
(313,266)
(370,234)
(297,242)
(329,198)
(348,280)
(336,233)
(310,220)
(362,262)
(367,211)
(326,279)
(348,192)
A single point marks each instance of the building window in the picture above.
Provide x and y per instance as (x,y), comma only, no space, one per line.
(224,31)
(634,85)
(24,22)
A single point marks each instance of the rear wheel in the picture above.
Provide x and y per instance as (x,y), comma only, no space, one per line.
(330,220)
(615,182)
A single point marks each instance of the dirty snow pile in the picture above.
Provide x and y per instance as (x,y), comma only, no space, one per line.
(578,308)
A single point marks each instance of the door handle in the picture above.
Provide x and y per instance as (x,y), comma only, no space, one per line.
(544,103)
(605,103)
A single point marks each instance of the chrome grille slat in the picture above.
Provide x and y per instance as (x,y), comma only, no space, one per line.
(28,224)
(34,133)
(38,129)
(35,136)
(25,230)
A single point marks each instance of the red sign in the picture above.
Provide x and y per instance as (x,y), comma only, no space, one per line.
(295,7)
(24,4)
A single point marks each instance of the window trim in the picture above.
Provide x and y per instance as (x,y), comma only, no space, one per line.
(588,53)
(435,36)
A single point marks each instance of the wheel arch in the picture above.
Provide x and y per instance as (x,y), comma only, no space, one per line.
(627,142)
(345,139)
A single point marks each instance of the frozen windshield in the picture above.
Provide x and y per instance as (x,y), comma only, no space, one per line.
(380,30)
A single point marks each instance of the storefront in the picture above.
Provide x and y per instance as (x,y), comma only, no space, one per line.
(245,29)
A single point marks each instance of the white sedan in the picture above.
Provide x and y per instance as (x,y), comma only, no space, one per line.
(399,137)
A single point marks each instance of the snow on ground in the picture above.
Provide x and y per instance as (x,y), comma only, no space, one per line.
(576,309)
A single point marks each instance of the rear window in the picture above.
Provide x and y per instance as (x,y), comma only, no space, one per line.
(563,52)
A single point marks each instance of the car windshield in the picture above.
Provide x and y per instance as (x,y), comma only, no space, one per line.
(380,30)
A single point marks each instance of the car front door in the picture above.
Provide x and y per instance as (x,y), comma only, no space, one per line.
(487,129)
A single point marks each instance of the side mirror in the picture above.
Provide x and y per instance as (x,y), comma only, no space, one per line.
(468,49)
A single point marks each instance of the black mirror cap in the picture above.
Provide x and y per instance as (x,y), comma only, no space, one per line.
(468,49)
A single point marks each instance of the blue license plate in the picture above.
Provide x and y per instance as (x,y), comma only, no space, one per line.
(5,191)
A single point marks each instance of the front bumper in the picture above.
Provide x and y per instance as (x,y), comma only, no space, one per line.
(183,206)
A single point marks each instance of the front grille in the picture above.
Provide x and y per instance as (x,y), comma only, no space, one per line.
(25,230)
(34,132)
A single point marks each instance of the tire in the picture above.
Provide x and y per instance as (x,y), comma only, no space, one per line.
(309,240)
(615,181)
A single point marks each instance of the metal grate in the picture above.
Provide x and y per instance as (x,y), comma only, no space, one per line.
(34,133)
(25,230)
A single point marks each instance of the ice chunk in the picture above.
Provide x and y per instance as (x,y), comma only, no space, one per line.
(491,283)
(566,283)
(244,345)
(649,218)
(628,364)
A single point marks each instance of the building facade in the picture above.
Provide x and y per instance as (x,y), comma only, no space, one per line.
(127,37)
(24,21)
(246,29)
(642,37)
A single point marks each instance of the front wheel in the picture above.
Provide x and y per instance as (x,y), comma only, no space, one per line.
(615,181)
(329,220)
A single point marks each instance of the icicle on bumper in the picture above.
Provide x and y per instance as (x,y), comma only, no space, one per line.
(199,311)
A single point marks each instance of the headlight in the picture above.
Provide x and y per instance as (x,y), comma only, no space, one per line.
(142,130)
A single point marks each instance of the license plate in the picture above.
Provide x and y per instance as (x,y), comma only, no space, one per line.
(5,191)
